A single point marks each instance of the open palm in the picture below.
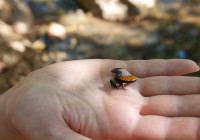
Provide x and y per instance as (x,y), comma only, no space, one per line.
(74,100)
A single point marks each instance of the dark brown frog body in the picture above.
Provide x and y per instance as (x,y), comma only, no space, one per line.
(122,78)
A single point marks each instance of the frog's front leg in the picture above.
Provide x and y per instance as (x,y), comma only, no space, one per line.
(114,83)
(124,84)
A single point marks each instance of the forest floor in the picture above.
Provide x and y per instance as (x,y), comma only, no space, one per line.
(159,36)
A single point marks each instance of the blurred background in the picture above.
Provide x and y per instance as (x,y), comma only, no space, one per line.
(36,33)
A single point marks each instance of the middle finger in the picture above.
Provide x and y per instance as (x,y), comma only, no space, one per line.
(168,101)
(169,85)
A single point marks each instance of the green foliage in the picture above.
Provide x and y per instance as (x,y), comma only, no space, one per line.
(67,4)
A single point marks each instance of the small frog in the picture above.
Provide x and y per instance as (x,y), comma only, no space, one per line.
(122,78)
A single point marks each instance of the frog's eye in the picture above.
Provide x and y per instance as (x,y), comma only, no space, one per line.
(115,70)
(119,73)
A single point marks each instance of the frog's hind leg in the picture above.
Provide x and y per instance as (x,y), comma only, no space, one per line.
(114,84)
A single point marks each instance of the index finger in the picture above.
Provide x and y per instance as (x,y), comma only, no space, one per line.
(160,67)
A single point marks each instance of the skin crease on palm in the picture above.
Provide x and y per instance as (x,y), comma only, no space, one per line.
(74,101)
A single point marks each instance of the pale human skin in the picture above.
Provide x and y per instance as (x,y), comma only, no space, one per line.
(74,101)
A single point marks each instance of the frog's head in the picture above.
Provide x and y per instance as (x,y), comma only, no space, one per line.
(121,72)
(117,71)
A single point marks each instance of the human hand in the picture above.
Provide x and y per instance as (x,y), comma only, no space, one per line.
(74,101)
